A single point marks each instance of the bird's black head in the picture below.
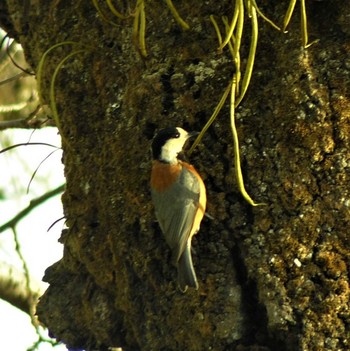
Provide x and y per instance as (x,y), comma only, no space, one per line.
(160,140)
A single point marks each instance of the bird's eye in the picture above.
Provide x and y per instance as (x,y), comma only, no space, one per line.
(177,135)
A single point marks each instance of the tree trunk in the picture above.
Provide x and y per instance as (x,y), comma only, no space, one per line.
(272,277)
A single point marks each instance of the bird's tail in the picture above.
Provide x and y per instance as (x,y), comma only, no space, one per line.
(185,272)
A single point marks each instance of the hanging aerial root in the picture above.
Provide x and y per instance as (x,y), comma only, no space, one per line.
(252,4)
(236,87)
(217,29)
(303,22)
(52,98)
(115,11)
(237,159)
(42,62)
(251,56)
(176,15)
(139,28)
(52,87)
(288,15)
(97,6)
(236,56)
(239,29)
(232,25)
(304,33)
(212,118)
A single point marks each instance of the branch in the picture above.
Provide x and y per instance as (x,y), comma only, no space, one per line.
(25,144)
(27,122)
(14,290)
(15,77)
(33,203)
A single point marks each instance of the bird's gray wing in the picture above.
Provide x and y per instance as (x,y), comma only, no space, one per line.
(176,208)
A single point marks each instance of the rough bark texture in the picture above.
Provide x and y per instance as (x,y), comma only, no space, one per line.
(274,277)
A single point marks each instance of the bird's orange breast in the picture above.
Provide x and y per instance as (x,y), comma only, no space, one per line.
(164,175)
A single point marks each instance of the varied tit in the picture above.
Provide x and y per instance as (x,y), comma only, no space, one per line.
(179,198)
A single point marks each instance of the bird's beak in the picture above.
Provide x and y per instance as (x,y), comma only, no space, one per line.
(192,134)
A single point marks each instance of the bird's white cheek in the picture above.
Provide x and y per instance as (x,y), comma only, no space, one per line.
(171,149)
(168,154)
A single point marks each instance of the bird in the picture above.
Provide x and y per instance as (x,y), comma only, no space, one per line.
(179,197)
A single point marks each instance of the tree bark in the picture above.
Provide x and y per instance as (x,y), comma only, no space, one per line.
(272,277)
